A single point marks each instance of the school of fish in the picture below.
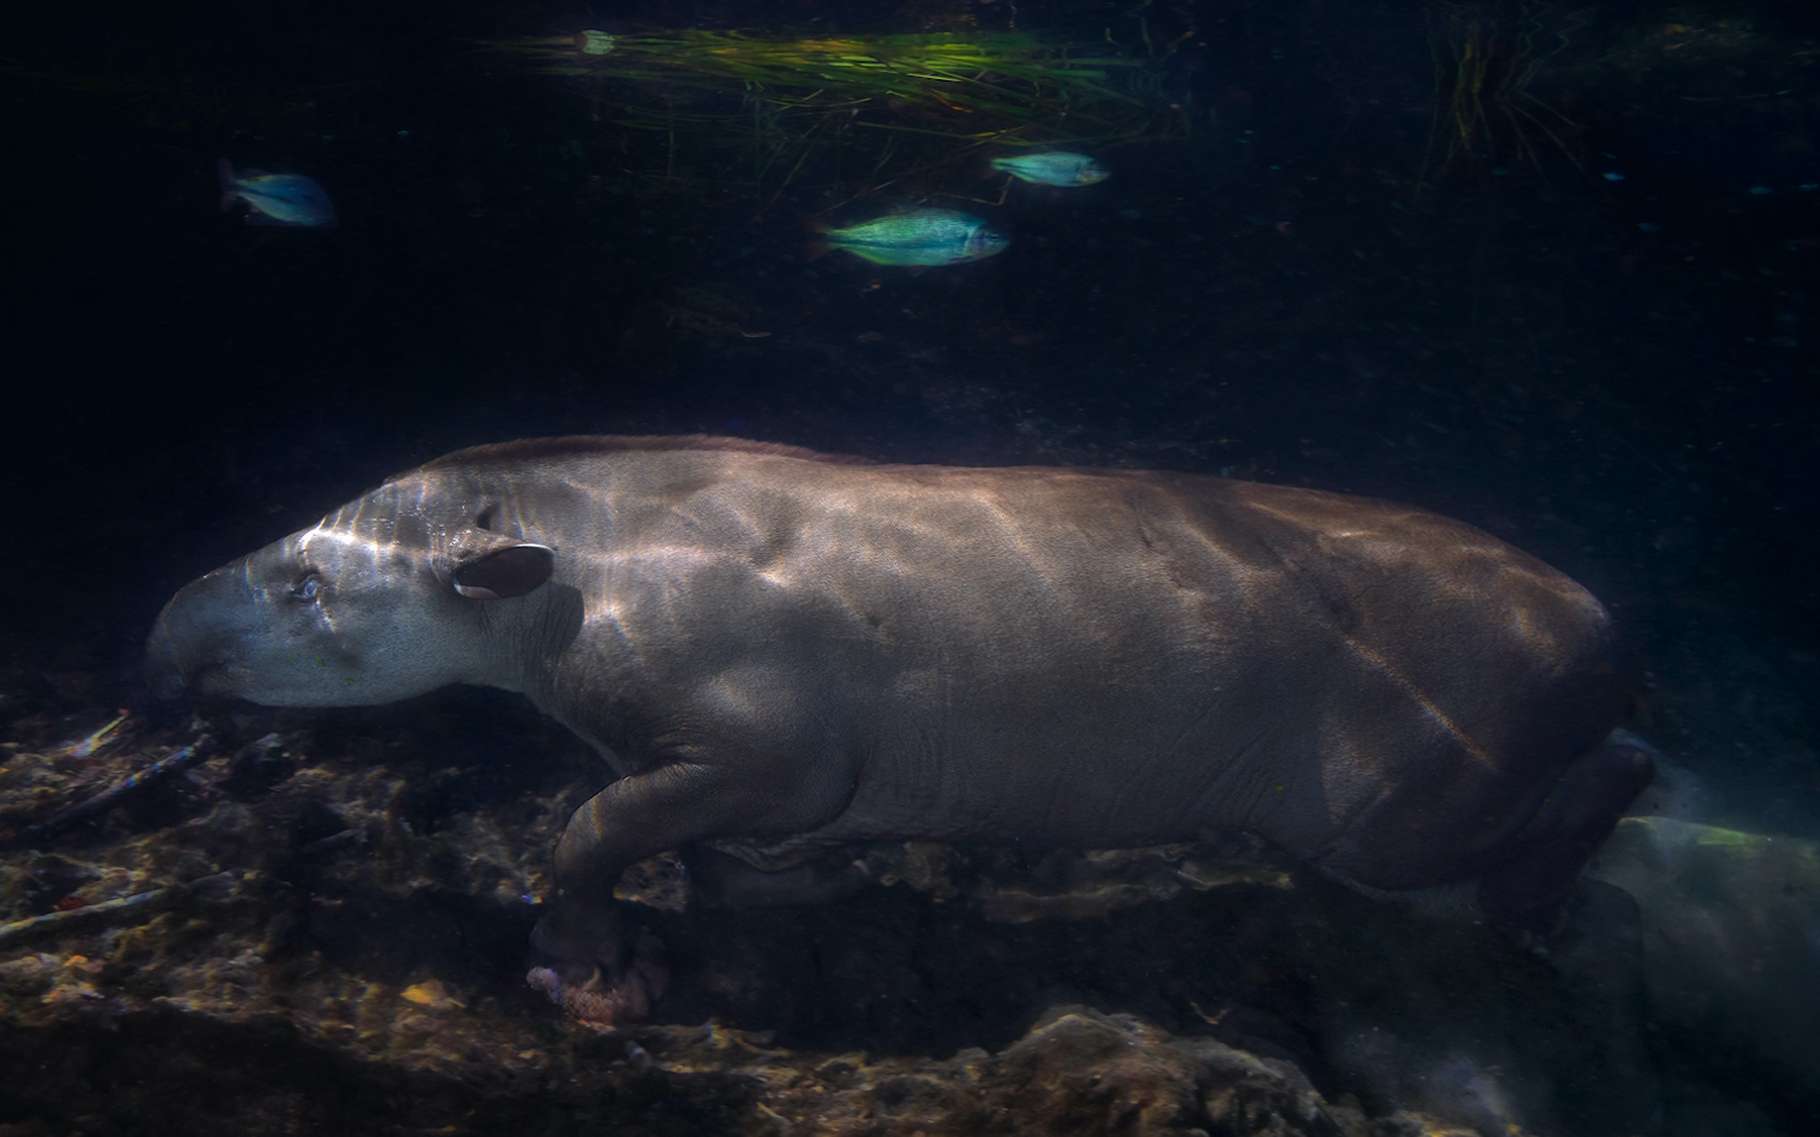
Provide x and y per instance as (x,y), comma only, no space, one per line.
(922,238)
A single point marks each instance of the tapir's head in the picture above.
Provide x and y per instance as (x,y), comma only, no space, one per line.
(388,597)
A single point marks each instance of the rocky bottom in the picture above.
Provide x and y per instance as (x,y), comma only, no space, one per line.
(319,924)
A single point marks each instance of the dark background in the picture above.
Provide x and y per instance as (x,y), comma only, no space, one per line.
(1596,342)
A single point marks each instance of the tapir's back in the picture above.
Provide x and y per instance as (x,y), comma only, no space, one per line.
(1108,658)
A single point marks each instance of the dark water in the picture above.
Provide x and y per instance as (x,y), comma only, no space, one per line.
(1587,325)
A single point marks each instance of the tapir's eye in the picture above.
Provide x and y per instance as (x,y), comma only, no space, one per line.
(305,588)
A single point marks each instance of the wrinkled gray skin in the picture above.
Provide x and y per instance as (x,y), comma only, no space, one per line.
(767,644)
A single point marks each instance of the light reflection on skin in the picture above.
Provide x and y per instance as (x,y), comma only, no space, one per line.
(893,539)
(876,652)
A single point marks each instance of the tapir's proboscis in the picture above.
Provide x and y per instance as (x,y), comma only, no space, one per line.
(770,645)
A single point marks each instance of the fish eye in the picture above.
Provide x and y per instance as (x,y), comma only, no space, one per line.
(306,588)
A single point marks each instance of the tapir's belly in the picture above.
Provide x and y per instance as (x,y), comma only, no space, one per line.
(1103,766)
(1075,754)
(1270,723)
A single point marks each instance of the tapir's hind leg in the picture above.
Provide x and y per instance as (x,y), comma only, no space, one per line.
(1527,891)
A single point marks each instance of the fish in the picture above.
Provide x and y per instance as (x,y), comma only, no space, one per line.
(918,237)
(276,199)
(1053,168)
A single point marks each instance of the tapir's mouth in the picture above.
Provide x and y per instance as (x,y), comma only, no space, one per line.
(168,680)
(210,681)
(163,674)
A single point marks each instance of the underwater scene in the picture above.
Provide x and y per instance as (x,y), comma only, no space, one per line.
(1000,567)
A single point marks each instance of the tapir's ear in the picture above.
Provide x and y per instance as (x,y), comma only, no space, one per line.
(512,568)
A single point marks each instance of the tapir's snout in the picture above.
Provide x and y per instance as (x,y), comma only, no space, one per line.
(193,639)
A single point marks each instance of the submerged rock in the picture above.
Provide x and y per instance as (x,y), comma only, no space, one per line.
(1731,941)
(1079,1071)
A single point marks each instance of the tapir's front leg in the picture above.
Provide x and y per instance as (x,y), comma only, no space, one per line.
(590,956)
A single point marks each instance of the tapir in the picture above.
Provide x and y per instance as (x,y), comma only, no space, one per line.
(777,648)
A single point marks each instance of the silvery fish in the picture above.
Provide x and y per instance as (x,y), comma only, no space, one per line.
(1053,168)
(276,199)
(918,237)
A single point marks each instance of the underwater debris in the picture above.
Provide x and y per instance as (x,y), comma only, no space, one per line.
(15,932)
(1487,57)
(175,760)
(95,741)
(431,995)
(1019,74)
(784,97)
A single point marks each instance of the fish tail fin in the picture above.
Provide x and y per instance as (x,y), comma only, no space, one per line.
(991,166)
(224,170)
(818,244)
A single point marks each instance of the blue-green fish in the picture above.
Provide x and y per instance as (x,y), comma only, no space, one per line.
(276,199)
(1053,168)
(919,237)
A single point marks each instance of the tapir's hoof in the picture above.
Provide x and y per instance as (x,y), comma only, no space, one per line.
(581,965)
